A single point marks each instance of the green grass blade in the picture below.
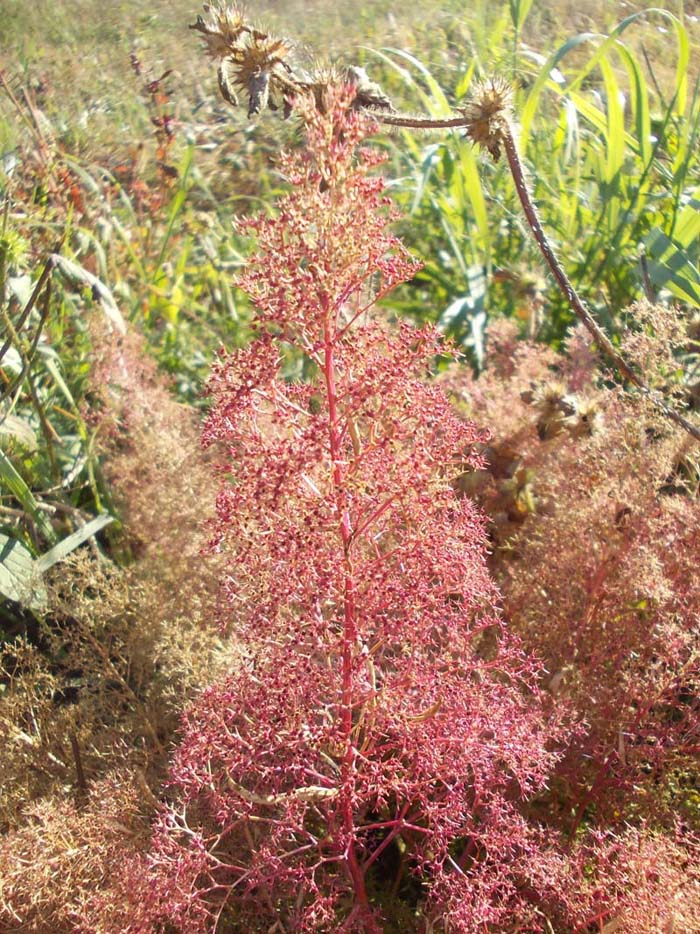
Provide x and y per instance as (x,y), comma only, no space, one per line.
(19,580)
(670,268)
(472,185)
(14,483)
(543,80)
(519,10)
(175,209)
(435,102)
(615,124)
(71,542)
(639,101)
(687,228)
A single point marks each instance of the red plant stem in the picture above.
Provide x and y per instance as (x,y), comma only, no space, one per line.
(605,777)
(349,621)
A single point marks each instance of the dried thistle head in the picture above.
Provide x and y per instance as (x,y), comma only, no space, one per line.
(586,419)
(221,27)
(554,405)
(368,95)
(367,92)
(249,59)
(260,65)
(489,113)
(560,410)
(324,77)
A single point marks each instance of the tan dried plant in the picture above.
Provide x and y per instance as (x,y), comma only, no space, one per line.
(57,870)
(248,58)
(121,652)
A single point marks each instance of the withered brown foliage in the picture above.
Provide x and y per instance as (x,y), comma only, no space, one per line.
(90,706)
(56,865)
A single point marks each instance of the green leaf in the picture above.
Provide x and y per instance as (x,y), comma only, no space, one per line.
(639,102)
(19,578)
(670,268)
(435,102)
(12,426)
(12,481)
(76,274)
(71,542)
(687,227)
(519,10)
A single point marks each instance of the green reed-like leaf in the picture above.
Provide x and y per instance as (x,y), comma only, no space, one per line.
(435,102)
(71,542)
(14,484)
(671,268)
(20,579)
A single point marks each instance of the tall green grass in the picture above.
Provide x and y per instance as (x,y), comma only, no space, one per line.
(613,158)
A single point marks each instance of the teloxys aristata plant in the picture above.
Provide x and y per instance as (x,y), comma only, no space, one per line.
(366,764)
(260,66)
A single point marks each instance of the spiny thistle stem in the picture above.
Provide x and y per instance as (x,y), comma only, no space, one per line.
(505,138)
(575,302)
(421,123)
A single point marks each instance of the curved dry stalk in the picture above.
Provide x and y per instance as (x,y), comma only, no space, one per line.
(576,303)
(481,128)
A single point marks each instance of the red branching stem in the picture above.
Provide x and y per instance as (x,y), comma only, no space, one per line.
(358,582)
(349,636)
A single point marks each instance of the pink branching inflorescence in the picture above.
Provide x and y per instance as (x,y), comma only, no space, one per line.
(596,534)
(384,727)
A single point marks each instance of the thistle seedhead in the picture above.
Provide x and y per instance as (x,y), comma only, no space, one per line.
(259,64)
(554,405)
(586,420)
(560,410)
(221,27)
(367,92)
(250,59)
(489,114)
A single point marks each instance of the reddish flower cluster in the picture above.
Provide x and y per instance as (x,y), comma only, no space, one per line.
(383,722)
(597,533)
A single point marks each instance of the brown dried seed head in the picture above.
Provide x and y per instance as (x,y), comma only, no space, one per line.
(554,406)
(260,67)
(226,84)
(221,28)
(325,76)
(586,420)
(552,397)
(489,113)
(249,59)
(367,92)
(260,53)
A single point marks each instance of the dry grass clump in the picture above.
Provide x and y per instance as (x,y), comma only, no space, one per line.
(92,701)
(56,869)
(158,474)
(30,768)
